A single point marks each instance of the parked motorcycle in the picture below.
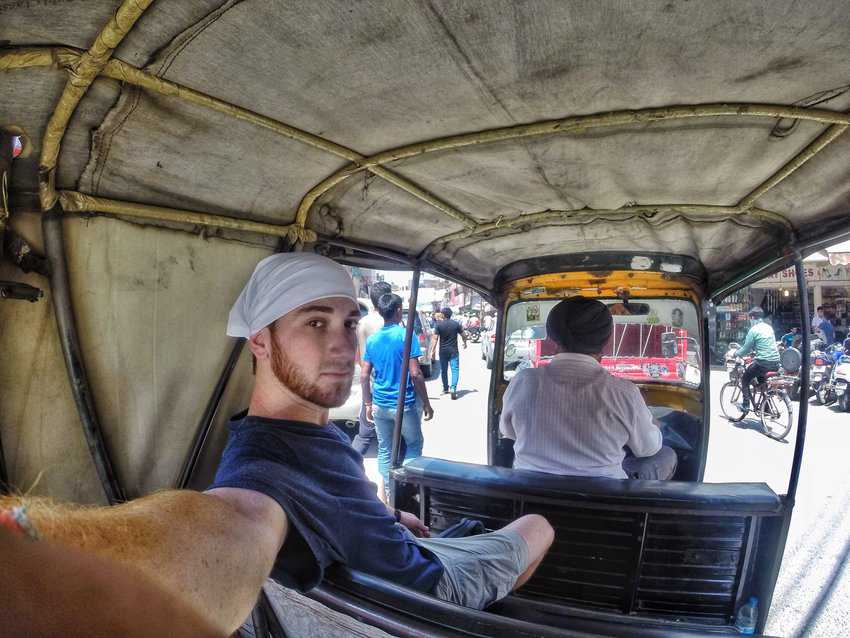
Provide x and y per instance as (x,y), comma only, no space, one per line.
(839,371)
(819,370)
(841,382)
(473,334)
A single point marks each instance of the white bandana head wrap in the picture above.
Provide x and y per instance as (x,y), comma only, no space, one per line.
(280,284)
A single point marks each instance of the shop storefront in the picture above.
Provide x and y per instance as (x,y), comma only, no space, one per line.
(828,286)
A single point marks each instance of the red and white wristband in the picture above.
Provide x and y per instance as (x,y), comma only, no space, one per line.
(16,520)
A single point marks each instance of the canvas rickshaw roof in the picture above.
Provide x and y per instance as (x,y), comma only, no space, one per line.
(467,136)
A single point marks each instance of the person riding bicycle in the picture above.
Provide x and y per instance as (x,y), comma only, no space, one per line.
(762,342)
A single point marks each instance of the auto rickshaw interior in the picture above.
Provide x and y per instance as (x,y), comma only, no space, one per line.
(656,343)
(681,551)
(528,150)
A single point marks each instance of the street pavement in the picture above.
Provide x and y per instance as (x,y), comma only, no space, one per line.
(812,596)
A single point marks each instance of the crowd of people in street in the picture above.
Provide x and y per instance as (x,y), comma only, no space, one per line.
(822,330)
(380,336)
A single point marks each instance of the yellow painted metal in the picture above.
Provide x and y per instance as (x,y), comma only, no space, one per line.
(823,140)
(82,74)
(80,202)
(677,397)
(575,125)
(602,284)
(27,58)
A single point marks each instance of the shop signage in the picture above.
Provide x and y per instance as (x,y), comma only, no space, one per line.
(837,274)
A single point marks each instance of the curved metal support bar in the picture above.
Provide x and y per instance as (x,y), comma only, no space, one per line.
(574,124)
(31,57)
(54,248)
(405,369)
(205,424)
(822,141)
(82,74)
(652,214)
(804,383)
(124,72)
(74,202)
(117,70)
(5,486)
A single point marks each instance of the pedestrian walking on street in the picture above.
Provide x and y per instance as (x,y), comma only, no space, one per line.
(369,325)
(448,330)
(385,356)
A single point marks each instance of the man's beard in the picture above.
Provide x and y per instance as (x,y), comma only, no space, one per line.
(288,373)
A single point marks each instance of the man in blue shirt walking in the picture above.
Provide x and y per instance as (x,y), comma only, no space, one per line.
(762,342)
(384,355)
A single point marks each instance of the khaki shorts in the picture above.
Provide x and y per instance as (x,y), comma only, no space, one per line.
(478,570)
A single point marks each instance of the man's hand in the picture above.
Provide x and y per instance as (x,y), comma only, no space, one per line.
(428,412)
(464,345)
(369,417)
(413,523)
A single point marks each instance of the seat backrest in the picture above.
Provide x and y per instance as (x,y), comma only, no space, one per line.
(651,548)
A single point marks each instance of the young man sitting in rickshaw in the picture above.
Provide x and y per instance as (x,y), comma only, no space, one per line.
(574,418)
(291,495)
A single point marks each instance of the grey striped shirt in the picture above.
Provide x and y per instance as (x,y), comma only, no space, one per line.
(572,417)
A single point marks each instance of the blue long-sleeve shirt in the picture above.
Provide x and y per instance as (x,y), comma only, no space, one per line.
(762,342)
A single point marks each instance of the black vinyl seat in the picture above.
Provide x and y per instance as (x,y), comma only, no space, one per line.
(655,549)
(752,498)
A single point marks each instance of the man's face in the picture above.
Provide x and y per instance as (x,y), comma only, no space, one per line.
(820,312)
(313,350)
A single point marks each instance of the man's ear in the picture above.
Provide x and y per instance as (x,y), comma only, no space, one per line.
(260,344)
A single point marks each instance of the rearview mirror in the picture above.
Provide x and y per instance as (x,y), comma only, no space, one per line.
(629,308)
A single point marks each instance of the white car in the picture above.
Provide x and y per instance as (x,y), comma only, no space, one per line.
(422,331)
(488,341)
(519,347)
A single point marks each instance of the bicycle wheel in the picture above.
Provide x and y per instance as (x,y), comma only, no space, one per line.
(730,397)
(776,414)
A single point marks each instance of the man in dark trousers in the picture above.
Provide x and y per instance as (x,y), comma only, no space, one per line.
(369,325)
(448,329)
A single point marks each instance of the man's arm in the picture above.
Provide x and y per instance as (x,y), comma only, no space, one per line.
(56,590)
(213,551)
(361,341)
(645,437)
(506,426)
(366,389)
(749,344)
(420,388)
(462,334)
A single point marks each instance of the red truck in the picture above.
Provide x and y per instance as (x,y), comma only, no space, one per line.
(636,351)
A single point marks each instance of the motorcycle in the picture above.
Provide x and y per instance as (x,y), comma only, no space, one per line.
(819,370)
(473,334)
(841,382)
(838,363)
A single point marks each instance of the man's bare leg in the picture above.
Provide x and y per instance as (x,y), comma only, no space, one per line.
(538,535)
